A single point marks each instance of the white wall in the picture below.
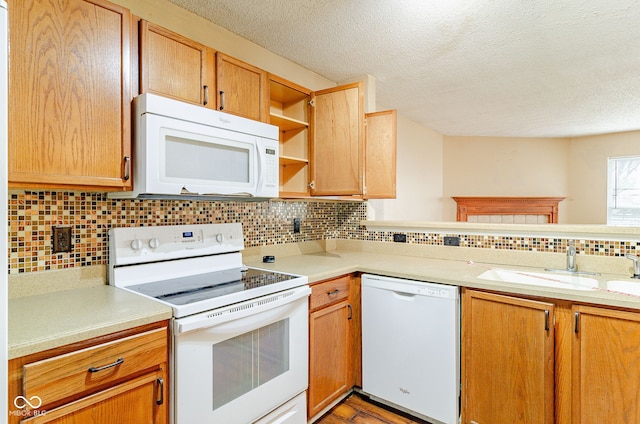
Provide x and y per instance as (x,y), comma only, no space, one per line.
(419,177)
(4,317)
(505,166)
(588,173)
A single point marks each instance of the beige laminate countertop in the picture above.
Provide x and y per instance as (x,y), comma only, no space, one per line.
(46,321)
(323,265)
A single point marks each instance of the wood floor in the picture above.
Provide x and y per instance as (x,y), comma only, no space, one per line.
(357,410)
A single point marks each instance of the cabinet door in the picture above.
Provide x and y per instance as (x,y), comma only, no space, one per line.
(138,401)
(69,94)
(337,145)
(329,355)
(174,66)
(242,88)
(380,158)
(606,366)
(507,360)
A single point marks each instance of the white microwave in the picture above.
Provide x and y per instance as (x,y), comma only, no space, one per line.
(187,150)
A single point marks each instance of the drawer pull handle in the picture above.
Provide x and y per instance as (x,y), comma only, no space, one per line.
(115,364)
(332,292)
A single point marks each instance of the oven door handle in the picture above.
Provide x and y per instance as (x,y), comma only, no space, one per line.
(228,319)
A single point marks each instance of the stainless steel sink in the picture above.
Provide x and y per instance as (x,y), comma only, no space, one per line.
(545,279)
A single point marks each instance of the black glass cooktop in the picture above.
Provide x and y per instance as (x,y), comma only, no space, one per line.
(195,288)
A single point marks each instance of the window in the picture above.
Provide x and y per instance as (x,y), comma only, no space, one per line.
(623,191)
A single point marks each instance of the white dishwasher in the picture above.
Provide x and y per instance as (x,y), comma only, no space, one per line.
(411,346)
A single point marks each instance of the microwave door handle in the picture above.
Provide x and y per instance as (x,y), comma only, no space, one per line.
(258,164)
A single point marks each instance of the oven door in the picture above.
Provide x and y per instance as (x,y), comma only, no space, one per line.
(236,364)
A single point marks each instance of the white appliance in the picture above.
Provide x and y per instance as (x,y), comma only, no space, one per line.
(411,346)
(184,149)
(240,335)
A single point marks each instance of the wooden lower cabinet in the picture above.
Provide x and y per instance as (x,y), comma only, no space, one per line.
(606,366)
(508,360)
(121,377)
(334,360)
(548,361)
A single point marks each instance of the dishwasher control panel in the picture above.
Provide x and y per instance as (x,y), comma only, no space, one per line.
(412,287)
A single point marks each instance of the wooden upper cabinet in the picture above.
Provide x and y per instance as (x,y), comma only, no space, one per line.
(174,66)
(380,156)
(242,88)
(290,111)
(69,94)
(507,360)
(606,366)
(337,147)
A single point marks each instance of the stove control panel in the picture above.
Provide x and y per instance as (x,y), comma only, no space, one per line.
(131,245)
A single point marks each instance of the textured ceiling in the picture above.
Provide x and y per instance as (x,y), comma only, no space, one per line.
(464,67)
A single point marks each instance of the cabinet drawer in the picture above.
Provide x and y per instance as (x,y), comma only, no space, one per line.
(88,369)
(323,294)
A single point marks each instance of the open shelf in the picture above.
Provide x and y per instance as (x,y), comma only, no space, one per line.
(289,110)
(290,160)
(286,123)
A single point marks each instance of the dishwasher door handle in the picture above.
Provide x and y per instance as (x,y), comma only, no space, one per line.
(404,295)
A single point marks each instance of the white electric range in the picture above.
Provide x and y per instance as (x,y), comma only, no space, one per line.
(240,335)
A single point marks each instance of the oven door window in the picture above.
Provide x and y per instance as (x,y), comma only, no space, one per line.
(246,362)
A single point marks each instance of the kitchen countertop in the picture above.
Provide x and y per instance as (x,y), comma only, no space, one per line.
(46,321)
(323,265)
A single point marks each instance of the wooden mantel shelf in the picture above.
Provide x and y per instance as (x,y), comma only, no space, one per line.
(508,206)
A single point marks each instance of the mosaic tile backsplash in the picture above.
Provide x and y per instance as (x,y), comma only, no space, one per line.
(32,216)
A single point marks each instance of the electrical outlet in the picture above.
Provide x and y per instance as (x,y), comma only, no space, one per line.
(61,239)
(400,238)
(296,225)
(451,241)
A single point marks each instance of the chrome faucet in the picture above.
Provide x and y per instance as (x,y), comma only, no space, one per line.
(572,267)
(636,264)
(571,259)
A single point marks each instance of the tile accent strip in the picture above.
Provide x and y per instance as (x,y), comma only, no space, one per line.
(33,214)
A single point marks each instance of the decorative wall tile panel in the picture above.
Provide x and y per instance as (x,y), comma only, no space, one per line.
(32,216)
